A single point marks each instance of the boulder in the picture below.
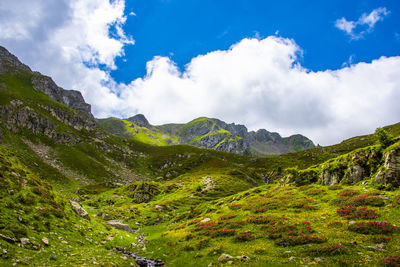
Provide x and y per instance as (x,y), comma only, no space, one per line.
(119,225)
(225,257)
(79,210)
(24,241)
(45,241)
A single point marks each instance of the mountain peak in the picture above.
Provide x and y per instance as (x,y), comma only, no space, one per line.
(10,63)
(139,120)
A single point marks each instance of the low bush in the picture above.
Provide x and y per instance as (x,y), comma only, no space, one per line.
(381,239)
(351,212)
(392,261)
(235,206)
(326,250)
(289,240)
(245,236)
(374,227)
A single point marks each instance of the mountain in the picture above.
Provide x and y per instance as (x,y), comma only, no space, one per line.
(208,133)
(72,194)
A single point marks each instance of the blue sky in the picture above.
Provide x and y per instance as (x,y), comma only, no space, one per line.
(326,69)
(183,29)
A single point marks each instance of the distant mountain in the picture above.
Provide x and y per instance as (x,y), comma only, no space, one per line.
(208,133)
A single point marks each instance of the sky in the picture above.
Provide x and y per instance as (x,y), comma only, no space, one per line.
(325,69)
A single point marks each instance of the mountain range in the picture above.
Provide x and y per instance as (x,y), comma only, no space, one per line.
(75,190)
(207,133)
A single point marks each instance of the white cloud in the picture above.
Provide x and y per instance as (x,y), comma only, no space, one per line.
(364,24)
(260,84)
(68,40)
(257,82)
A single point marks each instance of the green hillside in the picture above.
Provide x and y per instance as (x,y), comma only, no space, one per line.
(74,194)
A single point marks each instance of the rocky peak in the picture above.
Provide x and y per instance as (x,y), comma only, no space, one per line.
(237,129)
(139,120)
(10,63)
(70,98)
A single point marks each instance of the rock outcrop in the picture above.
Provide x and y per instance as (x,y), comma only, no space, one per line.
(32,111)
(79,210)
(390,171)
(70,98)
(360,165)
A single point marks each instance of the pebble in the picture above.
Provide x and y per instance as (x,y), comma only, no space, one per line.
(53,257)
(45,241)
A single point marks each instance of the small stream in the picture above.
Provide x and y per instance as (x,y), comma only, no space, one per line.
(142,261)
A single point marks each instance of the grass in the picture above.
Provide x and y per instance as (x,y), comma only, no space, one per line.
(191,204)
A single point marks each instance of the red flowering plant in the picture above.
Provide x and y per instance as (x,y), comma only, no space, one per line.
(327,250)
(245,236)
(374,227)
(381,239)
(235,206)
(351,212)
(392,261)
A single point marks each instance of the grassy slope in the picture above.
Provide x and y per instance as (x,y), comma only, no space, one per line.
(191,184)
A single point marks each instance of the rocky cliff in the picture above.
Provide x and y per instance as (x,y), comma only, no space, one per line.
(371,164)
(32,101)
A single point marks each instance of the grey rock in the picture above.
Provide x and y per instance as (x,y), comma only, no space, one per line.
(24,241)
(119,225)
(79,210)
(53,257)
(225,257)
(390,172)
(139,120)
(70,98)
(45,241)
(377,247)
(243,258)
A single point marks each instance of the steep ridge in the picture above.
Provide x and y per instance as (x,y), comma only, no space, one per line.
(209,133)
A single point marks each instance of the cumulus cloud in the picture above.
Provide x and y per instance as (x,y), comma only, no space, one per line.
(257,82)
(261,84)
(68,40)
(365,23)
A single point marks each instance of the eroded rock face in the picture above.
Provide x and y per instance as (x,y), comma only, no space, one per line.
(390,172)
(70,98)
(18,117)
(330,177)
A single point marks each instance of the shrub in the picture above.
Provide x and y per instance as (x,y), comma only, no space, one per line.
(383,138)
(374,227)
(316,192)
(326,250)
(348,193)
(202,243)
(367,200)
(235,206)
(381,239)
(335,187)
(351,212)
(262,220)
(195,221)
(392,261)
(227,217)
(335,224)
(245,236)
(289,240)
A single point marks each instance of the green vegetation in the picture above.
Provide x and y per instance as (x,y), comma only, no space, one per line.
(329,206)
